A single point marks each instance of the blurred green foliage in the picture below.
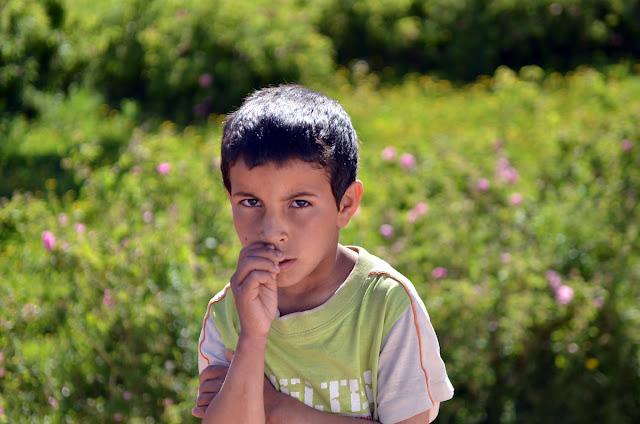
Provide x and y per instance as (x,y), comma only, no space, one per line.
(115,229)
(461,39)
(522,178)
(185,59)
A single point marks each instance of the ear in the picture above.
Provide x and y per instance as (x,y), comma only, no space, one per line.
(350,202)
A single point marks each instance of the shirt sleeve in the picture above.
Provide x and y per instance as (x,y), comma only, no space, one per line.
(412,377)
(211,350)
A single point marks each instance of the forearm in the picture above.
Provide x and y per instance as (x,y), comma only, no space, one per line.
(241,398)
(290,410)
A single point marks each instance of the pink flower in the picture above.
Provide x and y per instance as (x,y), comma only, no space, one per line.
(147,216)
(63,219)
(2,373)
(505,172)
(205,80)
(388,153)
(118,417)
(482,184)
(516,199)
(80,227)
(554,279)
(167,402)
(163,168)
(48,240)
(497,145)
(439,273)
(421,208)
(126,395)
(564,295)
(505,257)
(418,210)
(107,299)
(53,402)
(626,145)
(407,161)
(386,230)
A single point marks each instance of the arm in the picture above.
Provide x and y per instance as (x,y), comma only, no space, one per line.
(286,409)
(241,399)
(281,408)
(243,386)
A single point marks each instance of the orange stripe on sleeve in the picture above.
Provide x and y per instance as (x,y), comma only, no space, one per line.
(204,323)
(415,321)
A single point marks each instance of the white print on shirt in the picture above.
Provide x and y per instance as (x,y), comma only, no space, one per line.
(345,395)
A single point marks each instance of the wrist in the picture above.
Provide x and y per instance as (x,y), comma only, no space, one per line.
(252,342)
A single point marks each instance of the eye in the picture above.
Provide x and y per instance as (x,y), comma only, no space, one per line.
(250,203)
(300,204)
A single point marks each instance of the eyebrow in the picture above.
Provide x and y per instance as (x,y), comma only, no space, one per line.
(292,196)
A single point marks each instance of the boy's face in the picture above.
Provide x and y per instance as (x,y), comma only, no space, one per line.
(292,208)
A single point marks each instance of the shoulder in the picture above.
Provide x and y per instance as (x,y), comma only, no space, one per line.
(384,278)
(390,287)
(221,300)
(221,312)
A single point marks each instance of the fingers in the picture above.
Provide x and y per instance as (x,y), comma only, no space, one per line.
(258,256)
(261,249)
(211,380)
(250,287)
(251,264)
(198,412)
(208,389)
(212,372)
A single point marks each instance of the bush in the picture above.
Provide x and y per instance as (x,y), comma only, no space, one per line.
(34,52)
(72,136)
(185,60)
(465,39)
(513,208)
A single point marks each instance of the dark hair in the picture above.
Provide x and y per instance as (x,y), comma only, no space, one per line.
(286,122)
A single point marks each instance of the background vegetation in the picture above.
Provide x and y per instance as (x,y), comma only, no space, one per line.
(508,197)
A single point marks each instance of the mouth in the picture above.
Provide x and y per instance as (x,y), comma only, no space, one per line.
(285,263)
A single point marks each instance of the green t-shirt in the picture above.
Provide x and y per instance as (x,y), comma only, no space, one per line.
(328,357)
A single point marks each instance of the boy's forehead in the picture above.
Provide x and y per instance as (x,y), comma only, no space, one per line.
(291,174)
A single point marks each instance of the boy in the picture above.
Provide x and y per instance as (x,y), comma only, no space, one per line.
(309,330)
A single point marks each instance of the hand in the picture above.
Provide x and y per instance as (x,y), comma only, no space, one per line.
(255,289)
(211,380)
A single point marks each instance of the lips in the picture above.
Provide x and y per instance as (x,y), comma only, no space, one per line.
(285,263)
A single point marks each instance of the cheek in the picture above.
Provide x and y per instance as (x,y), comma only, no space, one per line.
(243,228)
(317,221)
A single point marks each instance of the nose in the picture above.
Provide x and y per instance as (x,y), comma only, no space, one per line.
(273,230)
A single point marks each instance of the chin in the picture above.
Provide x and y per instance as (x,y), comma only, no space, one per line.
(284,283)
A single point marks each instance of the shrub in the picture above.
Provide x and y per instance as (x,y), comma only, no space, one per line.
(511,204)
